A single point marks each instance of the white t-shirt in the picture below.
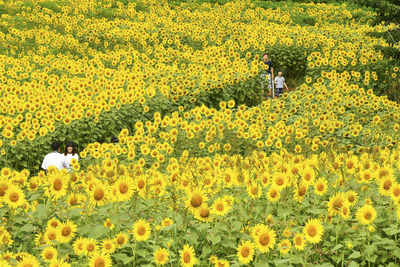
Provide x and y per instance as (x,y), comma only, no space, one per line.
(55,159)
(69,157)
(279,81)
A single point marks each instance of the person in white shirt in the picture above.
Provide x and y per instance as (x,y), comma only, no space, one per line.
(70,152)
(55,158)
(279,83)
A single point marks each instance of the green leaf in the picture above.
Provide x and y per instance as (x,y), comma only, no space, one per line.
(229,243)
(19,219)
(316,211)
(236,226)
(192,236)
(371,249)
(41,211)
(142,253)
(215,239)
(26,228)
(371,258)
(355,255)
(75,213)
(221,227)
(127,260)
(262,263)
(396,252)
(206,251)
(281,261)
(99,231)
(353,264)
(4,210)
(338,246)
(297,259)
(391,231)
(85,229)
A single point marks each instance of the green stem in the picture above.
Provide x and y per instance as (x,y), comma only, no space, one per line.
(134,254)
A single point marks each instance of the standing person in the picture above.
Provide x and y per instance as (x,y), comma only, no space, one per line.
(279,83)
(55,158)
(70,152)
(269,73)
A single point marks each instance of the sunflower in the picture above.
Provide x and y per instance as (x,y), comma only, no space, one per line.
(4,263)
(124,188)
(299,241)
(57,185)
(73,200)
(308,175)
(245,252)
(121,239)
(141,185)
(320,186)
(5,237)
(395,192)
(335,203)
(7,256)
(287,232)
(273,194)
(204,214)
(220,207)
(222,263)
(345,211)
(100,259)
(351,164)
(109,224)
(385,185)
(188,258)
(28,261)
(66,231)
(99,194)
(161,256)
(384,171)
(280,180)
(39,240)
(366,176)
(4,184)
(254,191)
(89,246)
(141,230)
(265,238)
(49,254)
(108,245)
(5,172)
(351,197)
(167,222)
(284,246)
(14,197)
(33,184)
(78,246)
(59,263)
(50,235)
(300,192)
(366,214)
(313,231)
(195,199)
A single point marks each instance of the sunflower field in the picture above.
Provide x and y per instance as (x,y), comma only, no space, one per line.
(208,171)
